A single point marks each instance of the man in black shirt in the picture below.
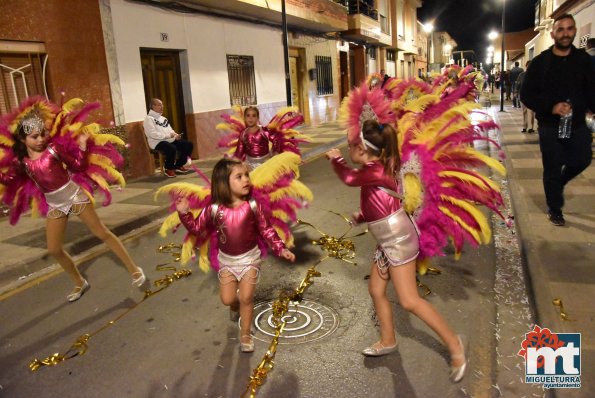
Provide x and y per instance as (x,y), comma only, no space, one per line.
(560,81)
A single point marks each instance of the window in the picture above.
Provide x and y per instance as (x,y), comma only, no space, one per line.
(242,84)
(371,52)
(531,53)
(390,55)
(21,76)
(324,75)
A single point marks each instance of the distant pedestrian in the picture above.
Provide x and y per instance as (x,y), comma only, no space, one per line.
(55,173)
(385,77)
(240,224)
(528,114)
(514,74)
(162,137)
(375,149)
(560,81)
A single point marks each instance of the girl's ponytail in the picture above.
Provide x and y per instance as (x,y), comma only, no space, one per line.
(383,137)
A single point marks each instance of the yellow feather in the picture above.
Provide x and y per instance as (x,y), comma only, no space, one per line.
(413,190)
(188,249)
(268,173)
(422,266)
(458,220)
(204,263)
(184,189)
(35,213)
(6,141)
(471,179)
(477,215)
(170,222)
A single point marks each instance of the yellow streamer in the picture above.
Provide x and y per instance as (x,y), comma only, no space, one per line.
(558,303)
(80,345)
(340,248)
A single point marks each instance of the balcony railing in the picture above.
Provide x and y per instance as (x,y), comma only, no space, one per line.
(365,7)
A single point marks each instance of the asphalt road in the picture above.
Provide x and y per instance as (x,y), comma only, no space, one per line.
(181,343)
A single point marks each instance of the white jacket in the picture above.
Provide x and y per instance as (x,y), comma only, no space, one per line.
(157,129)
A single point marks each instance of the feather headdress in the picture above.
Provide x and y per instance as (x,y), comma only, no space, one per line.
(364,104)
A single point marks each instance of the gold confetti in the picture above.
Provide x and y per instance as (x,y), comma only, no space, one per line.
(558,303)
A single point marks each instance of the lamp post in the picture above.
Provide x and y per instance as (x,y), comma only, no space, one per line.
(502,67)
(285,53)
(428,28)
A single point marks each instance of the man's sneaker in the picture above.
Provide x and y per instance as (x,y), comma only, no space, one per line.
(523,130)
(556,219)
(183,170)
(531,131)
(170,173)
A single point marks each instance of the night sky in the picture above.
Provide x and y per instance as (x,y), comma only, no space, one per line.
(470,21)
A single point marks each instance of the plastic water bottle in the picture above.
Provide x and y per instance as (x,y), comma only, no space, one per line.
(565,126)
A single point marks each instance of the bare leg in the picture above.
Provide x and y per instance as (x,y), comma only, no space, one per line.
(403,277)
(55,228)
(96,226)
(228,287)
(384,311)
(247,289)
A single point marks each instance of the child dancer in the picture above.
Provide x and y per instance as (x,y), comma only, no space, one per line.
(50,167)
(240,222)
(253,143)
(398,240)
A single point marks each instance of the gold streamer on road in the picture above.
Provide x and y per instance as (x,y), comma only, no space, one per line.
(80,345)
(341,248)
(558,303)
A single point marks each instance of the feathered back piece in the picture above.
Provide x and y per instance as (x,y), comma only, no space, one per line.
(402,93)
(65,124)
(280,130)
(440,173)
(363,104)
(274,186)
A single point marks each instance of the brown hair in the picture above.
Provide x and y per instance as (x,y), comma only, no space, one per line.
(220,190)
(384,137)
(253,108)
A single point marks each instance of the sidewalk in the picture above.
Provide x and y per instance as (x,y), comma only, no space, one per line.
(132,210)
(560,261)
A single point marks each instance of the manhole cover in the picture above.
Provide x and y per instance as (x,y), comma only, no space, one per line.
(304,322)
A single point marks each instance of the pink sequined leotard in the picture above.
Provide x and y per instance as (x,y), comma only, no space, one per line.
(393,229)
(238,231)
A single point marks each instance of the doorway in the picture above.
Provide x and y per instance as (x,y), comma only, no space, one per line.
(344,71)
(162,79)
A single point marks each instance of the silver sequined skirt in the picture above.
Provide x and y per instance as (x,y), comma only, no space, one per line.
(397,237)
(68,199)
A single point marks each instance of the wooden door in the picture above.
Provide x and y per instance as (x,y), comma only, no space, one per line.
(162,79)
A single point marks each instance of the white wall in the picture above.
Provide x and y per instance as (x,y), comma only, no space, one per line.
(207,41)
(585,22)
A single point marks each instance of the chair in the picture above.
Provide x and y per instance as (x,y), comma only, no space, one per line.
(160,158)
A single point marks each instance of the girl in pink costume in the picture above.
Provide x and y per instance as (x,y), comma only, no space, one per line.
(49,166)
(240,224)
(397,236)
(253,143)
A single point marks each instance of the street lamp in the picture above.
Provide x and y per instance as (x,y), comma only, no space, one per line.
(428,28)
(502,58)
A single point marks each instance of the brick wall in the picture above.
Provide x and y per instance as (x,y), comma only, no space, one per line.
(72,33)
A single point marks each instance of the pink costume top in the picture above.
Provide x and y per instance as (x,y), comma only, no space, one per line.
(254,145)
(48,170)
(375,203)
(238,228)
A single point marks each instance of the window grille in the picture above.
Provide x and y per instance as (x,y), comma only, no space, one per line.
(242,84)
(324,78)
(20,77)
(390,55)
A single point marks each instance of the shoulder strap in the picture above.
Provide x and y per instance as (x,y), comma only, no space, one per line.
(391,193)
(214,210)
(253,205)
